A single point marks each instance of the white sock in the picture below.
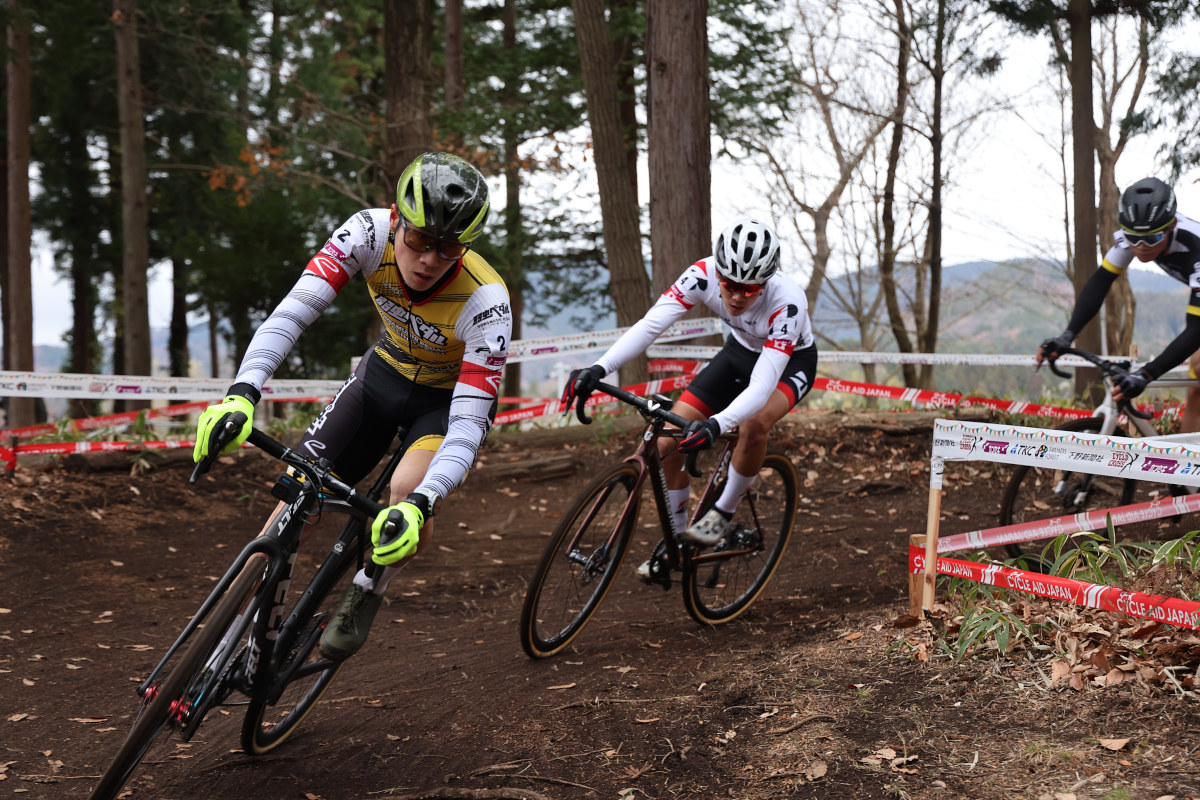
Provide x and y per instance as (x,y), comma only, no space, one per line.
(377,585)
(679,505)
(736,485)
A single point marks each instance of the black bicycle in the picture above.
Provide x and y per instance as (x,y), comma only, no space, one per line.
(588,545)
(1038,493)
(244,646)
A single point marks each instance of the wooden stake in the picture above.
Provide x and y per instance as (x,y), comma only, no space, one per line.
(916,580)
(931,539)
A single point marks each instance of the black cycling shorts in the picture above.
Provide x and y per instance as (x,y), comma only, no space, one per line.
(728,375)
(356,428)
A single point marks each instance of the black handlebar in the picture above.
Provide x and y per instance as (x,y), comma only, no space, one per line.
(1115,371)
(319,473)
(650,408)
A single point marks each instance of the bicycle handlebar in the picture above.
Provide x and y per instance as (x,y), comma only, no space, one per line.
(1115,371)
(320,473)
(649,408)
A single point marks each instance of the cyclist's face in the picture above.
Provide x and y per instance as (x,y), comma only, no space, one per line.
(1145,252)
(420,271)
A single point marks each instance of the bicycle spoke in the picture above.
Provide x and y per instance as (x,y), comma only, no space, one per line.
(721,583)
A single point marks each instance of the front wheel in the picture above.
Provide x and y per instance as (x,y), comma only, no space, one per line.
(580,562)
(1039,493)
(302,674)
(721,583)
(184,686)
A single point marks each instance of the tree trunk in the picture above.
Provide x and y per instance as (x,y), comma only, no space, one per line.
(928,339)
(887,261)
(678,136)
(514,235)
(18,291)
(408,47)
(452,81)
(618,194)
(214,345)
(134,225)
(1079,16)
(177,343)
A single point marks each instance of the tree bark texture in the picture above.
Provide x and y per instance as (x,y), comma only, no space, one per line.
(887,260)
(134,214)
(408,54)
(18,291)
(514,234)
(678,137)
(1079,16)
(618,194)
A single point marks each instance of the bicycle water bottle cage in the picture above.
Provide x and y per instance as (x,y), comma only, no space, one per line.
(288,488)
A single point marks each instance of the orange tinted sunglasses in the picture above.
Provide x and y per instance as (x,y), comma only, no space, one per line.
(744,289)
(422,242)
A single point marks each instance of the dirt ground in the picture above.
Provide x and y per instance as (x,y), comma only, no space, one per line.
(814,692)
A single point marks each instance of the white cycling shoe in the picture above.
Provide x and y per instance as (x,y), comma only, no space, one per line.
(710,529)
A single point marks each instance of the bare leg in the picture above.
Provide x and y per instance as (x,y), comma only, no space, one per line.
(1189,420)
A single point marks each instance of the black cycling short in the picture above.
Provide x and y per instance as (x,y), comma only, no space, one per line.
(356,428)
(728,375)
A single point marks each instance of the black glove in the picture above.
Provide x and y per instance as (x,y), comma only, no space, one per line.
(1053,348)
(699,435)
(581,383)
(1134,383)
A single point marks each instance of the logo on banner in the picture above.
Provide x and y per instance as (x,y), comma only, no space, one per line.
(967,442)
(1121,460)
(1166,466)
(992,446)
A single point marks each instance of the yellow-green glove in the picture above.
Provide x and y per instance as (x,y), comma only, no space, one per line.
(213,417)
(401,541)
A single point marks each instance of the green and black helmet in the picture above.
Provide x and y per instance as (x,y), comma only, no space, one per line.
(445,196)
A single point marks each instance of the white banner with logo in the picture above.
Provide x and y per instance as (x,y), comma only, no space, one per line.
(1159,459)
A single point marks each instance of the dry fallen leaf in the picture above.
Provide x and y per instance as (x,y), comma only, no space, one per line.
(644,721)
(1113,744)
(563,686)
(816,769)
(850,637)
(1059,670)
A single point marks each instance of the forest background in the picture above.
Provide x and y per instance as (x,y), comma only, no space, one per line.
(219,144)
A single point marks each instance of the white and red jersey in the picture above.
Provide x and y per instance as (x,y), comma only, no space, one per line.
(455,338)
(774,325)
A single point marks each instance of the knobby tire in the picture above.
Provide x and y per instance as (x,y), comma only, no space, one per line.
(716,587)
(564,593)
(268,724)
(154,716)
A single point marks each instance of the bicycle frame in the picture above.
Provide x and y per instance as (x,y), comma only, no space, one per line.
(1110,414)
(278,544)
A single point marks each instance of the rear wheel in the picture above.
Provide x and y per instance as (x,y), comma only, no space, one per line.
(185,685)
(722,582)
(579,564)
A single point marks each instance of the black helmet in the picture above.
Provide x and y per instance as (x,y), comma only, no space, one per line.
(445,196)
(1147,206)
(747,252)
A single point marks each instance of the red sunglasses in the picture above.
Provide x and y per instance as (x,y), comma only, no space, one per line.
(422,242)
(744,289)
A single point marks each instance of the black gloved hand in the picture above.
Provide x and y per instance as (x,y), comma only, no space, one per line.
(581,383)
(1051,349)
(699,435)
(1134,383)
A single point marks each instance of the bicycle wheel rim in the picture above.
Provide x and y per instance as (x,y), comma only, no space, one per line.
(564,593)
(720,584)
(269,724)
(1030,493)
(177,685)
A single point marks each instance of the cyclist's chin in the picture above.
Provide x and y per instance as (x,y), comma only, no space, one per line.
(736,309)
